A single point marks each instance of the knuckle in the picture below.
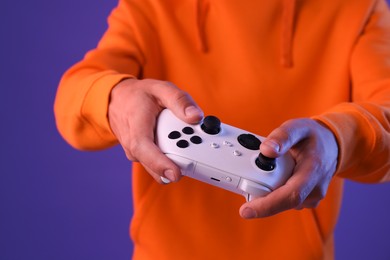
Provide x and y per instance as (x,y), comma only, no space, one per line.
(127,148)
(171,85)
(133,149)
(129,156)
(180,96)
(167,85)
(282,133)
(152,173)
(297,198)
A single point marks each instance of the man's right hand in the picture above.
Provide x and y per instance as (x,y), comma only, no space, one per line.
(133,110)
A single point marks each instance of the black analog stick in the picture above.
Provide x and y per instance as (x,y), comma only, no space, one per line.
(211,125)
(249,141)
(265,163)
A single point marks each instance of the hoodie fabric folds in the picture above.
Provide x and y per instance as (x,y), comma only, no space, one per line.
(287,30)
(201,15)
(254,64)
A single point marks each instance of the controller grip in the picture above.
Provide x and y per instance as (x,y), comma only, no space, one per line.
(253,190)
(186,166)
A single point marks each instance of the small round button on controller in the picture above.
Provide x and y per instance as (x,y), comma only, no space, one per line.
(188,130)
(174,135)
(265,163)
(182,144)
(211,125)
(196,139)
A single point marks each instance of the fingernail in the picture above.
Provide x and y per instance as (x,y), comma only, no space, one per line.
(273,145)
(165,180)
(169,175)
(248,213)
(192,111)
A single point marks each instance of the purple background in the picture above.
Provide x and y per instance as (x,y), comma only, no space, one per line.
(59,203)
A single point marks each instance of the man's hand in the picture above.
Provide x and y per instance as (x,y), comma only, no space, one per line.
(315,150)
(133,110)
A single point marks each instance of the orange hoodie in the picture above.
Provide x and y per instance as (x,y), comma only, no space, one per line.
(255,64)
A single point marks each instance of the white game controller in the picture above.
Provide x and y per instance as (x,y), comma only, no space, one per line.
(221,155)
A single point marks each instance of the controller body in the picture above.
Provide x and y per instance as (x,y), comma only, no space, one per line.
(221,155)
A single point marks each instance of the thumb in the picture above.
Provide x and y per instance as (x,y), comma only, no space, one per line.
(192,113)
(283,138)
(180,103)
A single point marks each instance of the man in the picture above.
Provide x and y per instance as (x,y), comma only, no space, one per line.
(312,76)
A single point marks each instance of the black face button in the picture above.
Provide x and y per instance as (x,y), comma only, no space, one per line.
(182,144)
(174,135)
(196,139)
(211,125)
(265,163)
(249,141)
(188,130)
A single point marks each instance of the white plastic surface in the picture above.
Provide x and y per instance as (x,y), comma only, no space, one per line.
(220,159)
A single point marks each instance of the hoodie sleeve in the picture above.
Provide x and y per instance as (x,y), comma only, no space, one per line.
(82,97)
(362,127)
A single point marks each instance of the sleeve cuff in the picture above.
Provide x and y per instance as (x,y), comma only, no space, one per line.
(354,134)
(95,106)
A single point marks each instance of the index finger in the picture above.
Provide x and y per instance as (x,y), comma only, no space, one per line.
(141,145)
